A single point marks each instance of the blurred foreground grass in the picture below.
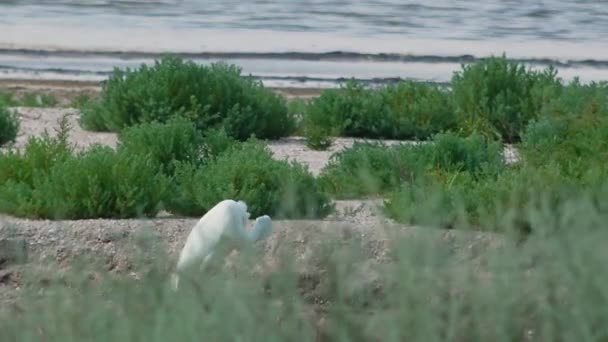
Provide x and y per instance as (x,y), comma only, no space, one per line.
(423,286)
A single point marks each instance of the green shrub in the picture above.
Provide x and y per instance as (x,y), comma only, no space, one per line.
(39,156)
(9,124)
(177,140)
(248,172)
(19,171)
(473,154)
(459,200)
(408,110)
(318,124)
(374,169)
(575,98)
(318,138)
(49,180)
(38,100)
(368,169)
(101,183)
(29,99)
(562,157)
(575,144)
(352,110)
(417,110)
(210,96)
(80,101)
(7,99)
(297,108)
(572,132)
(498,97)
(215,142)
(426,202)
(173,142)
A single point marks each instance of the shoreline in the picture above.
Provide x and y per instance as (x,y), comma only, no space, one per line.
(68,89)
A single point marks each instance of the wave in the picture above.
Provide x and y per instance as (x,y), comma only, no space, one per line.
(343,56)
(272,81)
(277,69)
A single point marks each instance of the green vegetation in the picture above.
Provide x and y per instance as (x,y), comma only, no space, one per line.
(210,96)
(571,131)
(29,99)
(499,97)
(458,179)
(495,97)
(215,142)
(370,169)
(206,169)
(9,124)
(318,138)
(168,143)
(248,172)
(408,110)
(38,100)
(50,180)
(98,183)
(185,120)
(155,166)
(80,101)
(297,109)
(562,154)
(6,98)
(550,288)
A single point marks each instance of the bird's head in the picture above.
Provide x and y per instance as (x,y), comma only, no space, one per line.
(263,225)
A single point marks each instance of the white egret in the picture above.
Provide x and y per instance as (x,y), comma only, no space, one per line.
(227,219)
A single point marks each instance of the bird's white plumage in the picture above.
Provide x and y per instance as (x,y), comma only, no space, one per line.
(228,219)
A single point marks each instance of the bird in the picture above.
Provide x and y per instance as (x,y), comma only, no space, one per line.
(227,219)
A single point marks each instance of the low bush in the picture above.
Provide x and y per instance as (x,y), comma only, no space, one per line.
(215,142)
(156,165)
(473,154)
(38,100)
(39,156)
(28,99)
(80,101)
(49,180)
(248,172)
(408,110)
(369,169)
(101,183)
(7,99)
(210,96)
(572,131)
(575,98)
(419,110)
(498,97)
(318,138)
(9,124)
(458,200)
(562,157)
(297,108)
(177,140)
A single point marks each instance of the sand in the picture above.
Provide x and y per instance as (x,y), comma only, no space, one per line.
(34,121)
